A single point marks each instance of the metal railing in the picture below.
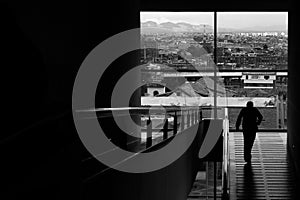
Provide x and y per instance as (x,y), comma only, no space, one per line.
(180,118)
(173,119)
(226,161)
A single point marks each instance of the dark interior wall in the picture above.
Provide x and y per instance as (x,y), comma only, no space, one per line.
(44,45)
(217,5)
(293,91)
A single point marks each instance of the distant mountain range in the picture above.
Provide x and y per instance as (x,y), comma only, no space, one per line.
(170,27)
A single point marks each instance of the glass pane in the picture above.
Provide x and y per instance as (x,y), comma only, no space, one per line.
(252,54)
(176,50)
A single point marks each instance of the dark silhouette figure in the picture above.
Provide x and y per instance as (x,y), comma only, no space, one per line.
(251,118)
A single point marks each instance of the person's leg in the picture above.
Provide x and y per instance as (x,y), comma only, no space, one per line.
(249,137)
(247,149)
(252,136)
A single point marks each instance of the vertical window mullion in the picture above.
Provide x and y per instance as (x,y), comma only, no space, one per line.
(215,65)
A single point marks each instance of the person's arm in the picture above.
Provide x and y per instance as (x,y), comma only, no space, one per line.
(259,117)
(239,119)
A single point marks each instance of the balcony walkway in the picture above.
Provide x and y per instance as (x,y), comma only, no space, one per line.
(270,175)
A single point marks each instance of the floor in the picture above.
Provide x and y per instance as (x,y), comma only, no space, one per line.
(270,176)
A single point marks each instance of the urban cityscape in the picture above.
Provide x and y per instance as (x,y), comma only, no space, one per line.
(180,57)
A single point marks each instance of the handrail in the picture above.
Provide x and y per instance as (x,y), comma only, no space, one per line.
(145,109)
(134,111)
(225,168)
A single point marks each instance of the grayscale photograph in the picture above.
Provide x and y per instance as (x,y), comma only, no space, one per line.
(150,100)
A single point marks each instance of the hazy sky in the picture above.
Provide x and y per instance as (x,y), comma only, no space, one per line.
(250,19)
(189,17)
(225,19)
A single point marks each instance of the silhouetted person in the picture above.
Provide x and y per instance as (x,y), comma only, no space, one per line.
(251,118)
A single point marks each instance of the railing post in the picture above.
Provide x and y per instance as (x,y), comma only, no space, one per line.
(200,115)
(188,120)
(277,112)
(225,172)
(175,124)
(149,133)
(192,117)
(281,112)
(165,130)
(206,177)
(182,120)
(215,180)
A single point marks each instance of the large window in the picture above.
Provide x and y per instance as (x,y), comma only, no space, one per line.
(253,46)
(217,59)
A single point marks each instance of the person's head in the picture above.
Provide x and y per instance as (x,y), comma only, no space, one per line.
(249,104)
